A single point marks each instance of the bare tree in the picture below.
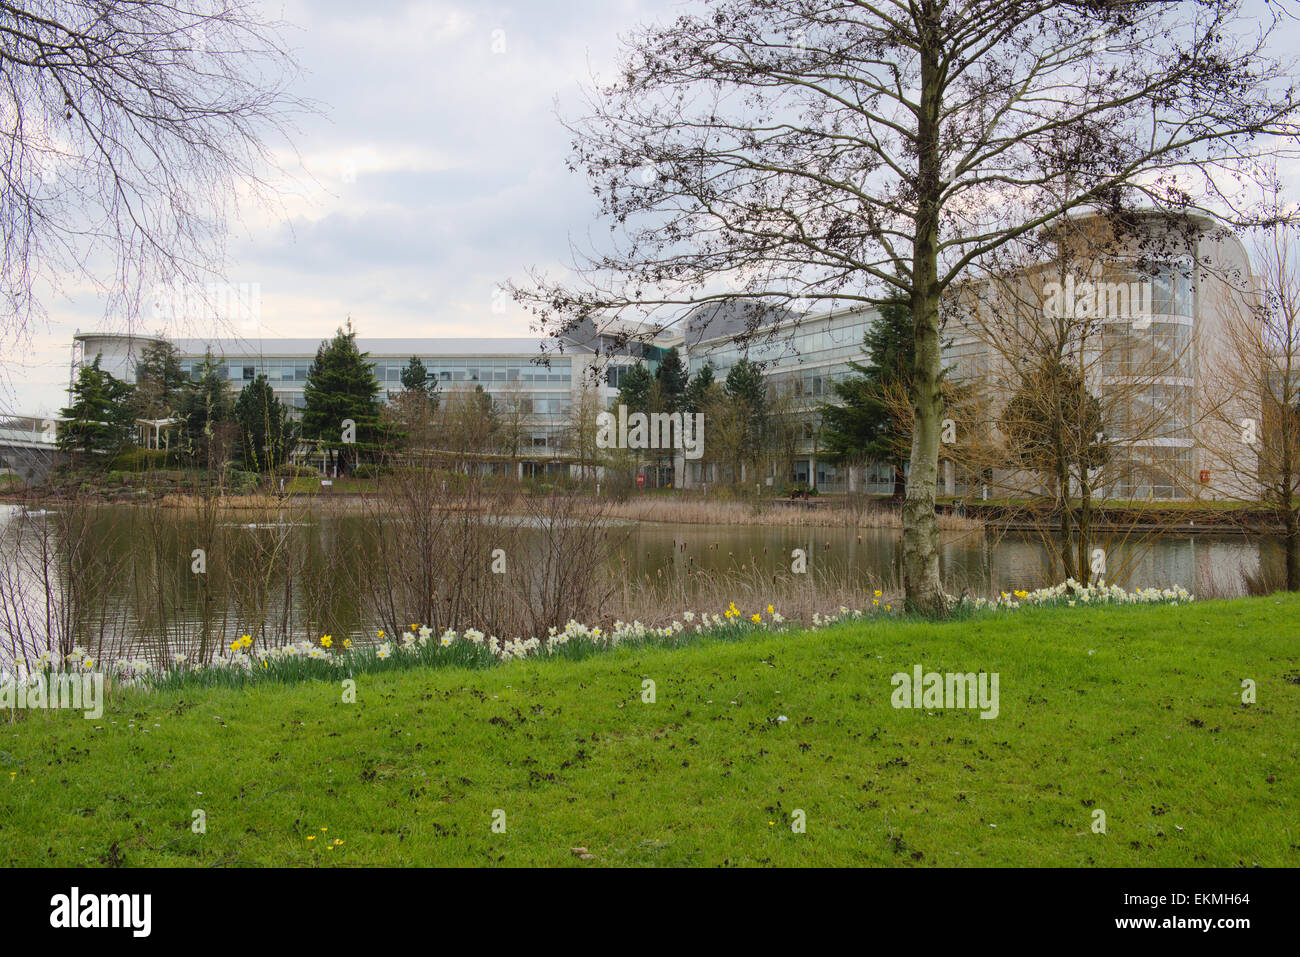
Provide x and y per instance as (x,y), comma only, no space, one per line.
(127,130)
(470,426)
(516,422)
(1251,431)
(579,438)
(1090,424)
(845,151)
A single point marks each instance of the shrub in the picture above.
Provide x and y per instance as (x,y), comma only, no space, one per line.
(135,459)
(241,482)
(293,470)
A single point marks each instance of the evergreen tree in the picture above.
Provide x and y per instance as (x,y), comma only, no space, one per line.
(1054,426)
(159,381)
(862,423)
(745,388)
(672,378)
(100,418)
(634,390)
(341,385)
(264,426)
(416,379)
(700,389)
(410,415)
(205,413)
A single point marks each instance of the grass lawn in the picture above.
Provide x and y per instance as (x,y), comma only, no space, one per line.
(340,486)
(1134,711)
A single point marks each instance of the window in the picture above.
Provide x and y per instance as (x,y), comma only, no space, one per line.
(248,373)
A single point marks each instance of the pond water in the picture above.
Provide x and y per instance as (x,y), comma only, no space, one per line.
(121,565)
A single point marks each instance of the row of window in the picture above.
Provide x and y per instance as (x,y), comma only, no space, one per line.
(390,370)
(540,403)
(819,341)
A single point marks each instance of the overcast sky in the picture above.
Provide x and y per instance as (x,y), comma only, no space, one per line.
(434,171)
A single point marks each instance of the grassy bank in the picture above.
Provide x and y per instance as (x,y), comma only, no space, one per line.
(1135,711)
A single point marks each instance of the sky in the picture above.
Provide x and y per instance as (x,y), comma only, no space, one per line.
(434,171)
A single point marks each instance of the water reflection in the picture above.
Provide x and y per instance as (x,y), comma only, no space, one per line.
(124,575)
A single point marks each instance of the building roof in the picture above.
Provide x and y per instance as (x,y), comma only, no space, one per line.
(731,318)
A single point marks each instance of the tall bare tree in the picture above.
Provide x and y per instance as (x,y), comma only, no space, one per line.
(126,130)
(1251,431)
(796,152)
(1092,417)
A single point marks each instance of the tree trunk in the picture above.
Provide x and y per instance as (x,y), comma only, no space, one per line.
(1292,549)
(921,585)
(1063,502)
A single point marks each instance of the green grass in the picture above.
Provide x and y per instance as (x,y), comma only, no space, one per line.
(1135,711)
(341,486)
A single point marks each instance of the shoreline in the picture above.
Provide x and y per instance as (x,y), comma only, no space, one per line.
(828,512)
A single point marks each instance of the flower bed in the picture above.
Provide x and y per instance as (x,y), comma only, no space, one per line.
(423,645)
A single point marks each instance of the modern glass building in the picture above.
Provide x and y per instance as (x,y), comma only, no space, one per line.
(1155,364)
(510,369)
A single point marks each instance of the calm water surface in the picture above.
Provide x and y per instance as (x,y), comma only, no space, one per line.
(665,559)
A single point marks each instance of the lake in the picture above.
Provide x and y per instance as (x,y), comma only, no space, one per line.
(125,576)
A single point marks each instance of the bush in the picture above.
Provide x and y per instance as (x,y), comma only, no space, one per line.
(369,470)
(135,459)
(241,482)
(293,470)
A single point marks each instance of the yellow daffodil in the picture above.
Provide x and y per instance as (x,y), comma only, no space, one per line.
(326,641)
